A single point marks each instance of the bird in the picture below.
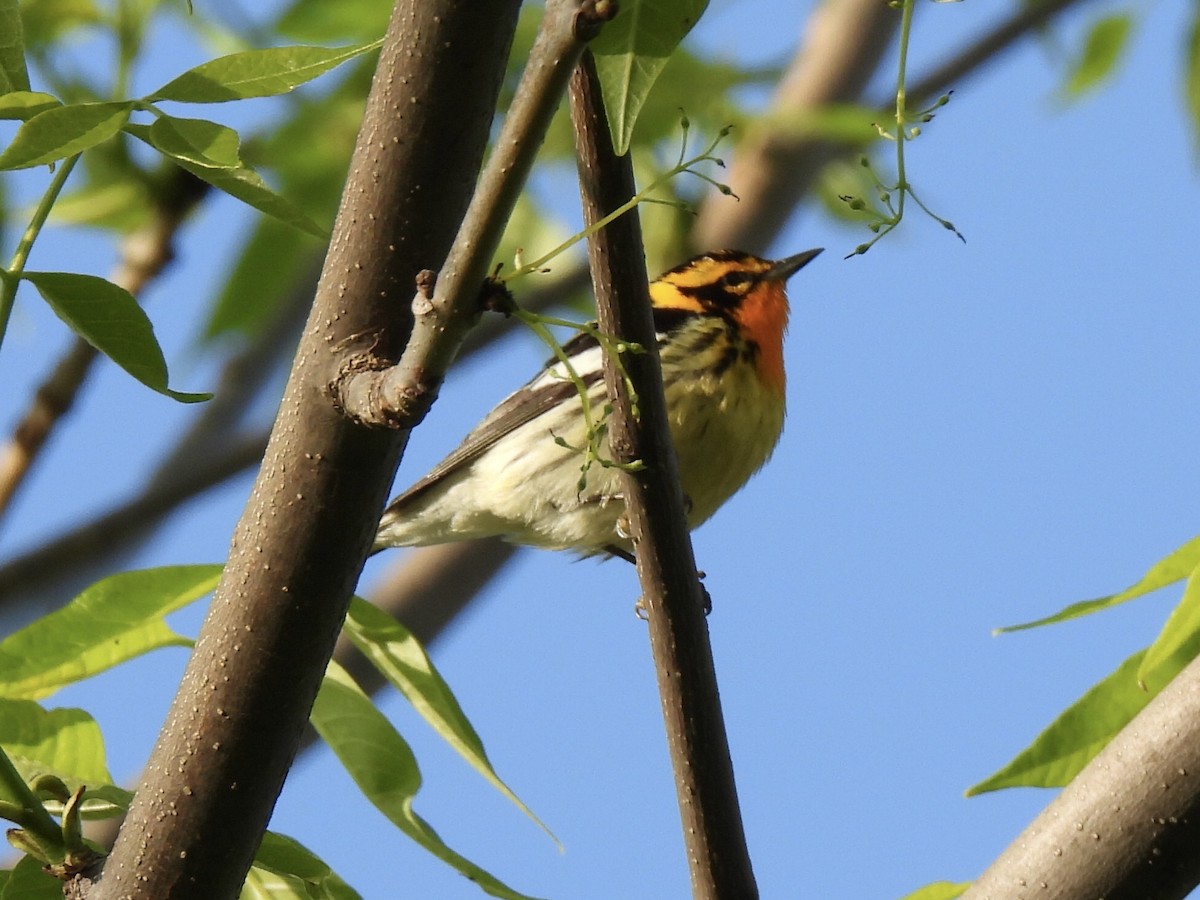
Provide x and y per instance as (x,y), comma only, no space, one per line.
(720,319)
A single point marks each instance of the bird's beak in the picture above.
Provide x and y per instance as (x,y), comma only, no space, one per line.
(786,268)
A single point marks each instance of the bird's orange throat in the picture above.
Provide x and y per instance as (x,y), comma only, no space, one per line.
(763,317)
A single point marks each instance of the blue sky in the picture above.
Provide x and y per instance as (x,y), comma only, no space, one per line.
(978,434)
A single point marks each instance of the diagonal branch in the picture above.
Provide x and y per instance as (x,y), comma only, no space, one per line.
(229,739)
(1127,826)
(672,596)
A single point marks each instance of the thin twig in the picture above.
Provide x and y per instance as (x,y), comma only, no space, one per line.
(400,395)
(844,42)
(672,596)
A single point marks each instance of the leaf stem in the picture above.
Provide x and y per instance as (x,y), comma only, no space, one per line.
(22,807)
(8,284)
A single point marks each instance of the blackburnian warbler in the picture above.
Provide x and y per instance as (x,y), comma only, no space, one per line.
(720,319)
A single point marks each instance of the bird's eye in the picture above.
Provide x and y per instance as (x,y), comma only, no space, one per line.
(735,279)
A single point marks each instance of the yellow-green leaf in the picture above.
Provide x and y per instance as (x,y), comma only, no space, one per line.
(382,765)
(402,660)
(116,619)
(1102,50)
(1175,566)
(13,74)
(256,73)
(63,131)
(65,741)
(109,318)
(939,890)
(632,50)
(24,105)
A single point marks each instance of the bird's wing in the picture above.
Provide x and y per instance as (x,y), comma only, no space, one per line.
(545,392)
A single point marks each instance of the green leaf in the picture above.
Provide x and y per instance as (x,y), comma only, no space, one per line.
(65,741)
(1086,726)
(632,50)
(1181,629)
(248,186)
(402,660)
(1191,71)
(320,20)
(13,74)
(1175,566)
(46,21)
(253,292)
(109,318)
(64,131)
(286,868)
(24,105)
(196,141)
(29,882)
(256,73)
(939,890)
(382,765)
(120,203)
(116,619)
(1102,49)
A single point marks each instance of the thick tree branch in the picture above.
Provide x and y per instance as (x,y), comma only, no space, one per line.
(220,760)
(672,596)
(1127,826)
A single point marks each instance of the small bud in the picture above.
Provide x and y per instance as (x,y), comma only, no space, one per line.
(724,132)
(861,249)
(914,132)
(855,203)
(725,189)
(720,162)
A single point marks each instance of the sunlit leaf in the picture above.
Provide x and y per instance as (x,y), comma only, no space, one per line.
(320,20)
(248,186)
(1102,50)
(382,765)
(64,131)
(1175,566)
(47,20)
(1191,71)
(632,50)
(120,202)
(29,882)
(939,890)
(284,865)
(1181,629)
(116,619)
(24,105)
(109,318)
(1082,730)
(196,141)
(256,73)
(65,741)
(402,660)
(13,74)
